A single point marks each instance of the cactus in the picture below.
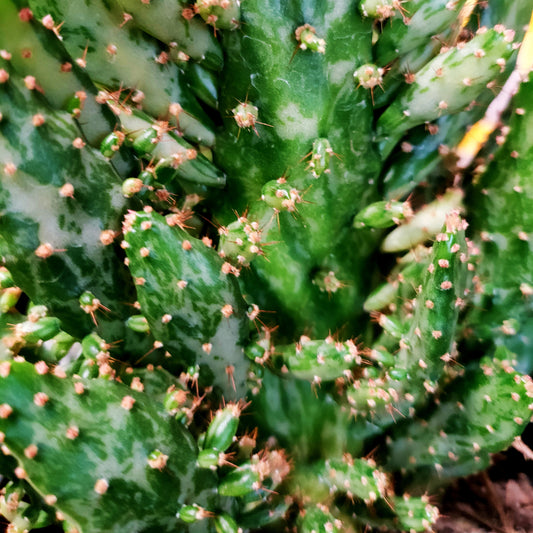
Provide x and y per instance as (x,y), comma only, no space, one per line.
(251,278)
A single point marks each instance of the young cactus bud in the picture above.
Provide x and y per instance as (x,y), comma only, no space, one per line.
(35,312)
(221,14)
(245,115)
(307,39)
(88,302)
(112,143)
(93,345)
(42,330)
(138,323)
(224,523)
(240,482)
(223,427)
(383,214)
(208,458)
(175,400)
(279,195)
(192,513)
(240,241)
(380,9)
(131,186)
(368,76)
(9,298)
(327,281)
(390,325)
(146,141)
(320,157)
(74,105)
(157,460)
(6,280)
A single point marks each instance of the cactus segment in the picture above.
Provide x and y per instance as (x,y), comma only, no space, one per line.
(481,414)
(23,508)
(48,165)
(115,48)
(400,513)
(427,347)
(317,360)
(423,155)
(359,477)
(437,307)
(503,312)
(415,514)
(99,436)
(415,24)
(36,55)
(304,122)
(425,224)
(167,21)
(447,84)
(197,209)
(402,282)
(304,418)
(167,151)
(194,309)
(203,83)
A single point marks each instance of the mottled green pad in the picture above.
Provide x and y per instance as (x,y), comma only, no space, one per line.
(115,47)
(101,478)
(317,360)
(318,519)
(57,198)
(192,306)
(480,414)
(164,20)
(305,100)
(37,52)
(502,215)
(447,84)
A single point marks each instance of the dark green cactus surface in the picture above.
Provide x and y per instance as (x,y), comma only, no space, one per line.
(264,266)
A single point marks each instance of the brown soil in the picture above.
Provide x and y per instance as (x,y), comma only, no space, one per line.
(497,501)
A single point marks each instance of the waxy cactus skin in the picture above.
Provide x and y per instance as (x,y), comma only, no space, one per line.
(262,265)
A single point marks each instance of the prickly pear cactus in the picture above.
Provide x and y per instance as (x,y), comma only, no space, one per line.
(265,266)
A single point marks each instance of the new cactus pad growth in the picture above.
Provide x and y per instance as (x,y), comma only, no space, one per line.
(263,266)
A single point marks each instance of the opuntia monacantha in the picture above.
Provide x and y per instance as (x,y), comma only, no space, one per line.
(203,327)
